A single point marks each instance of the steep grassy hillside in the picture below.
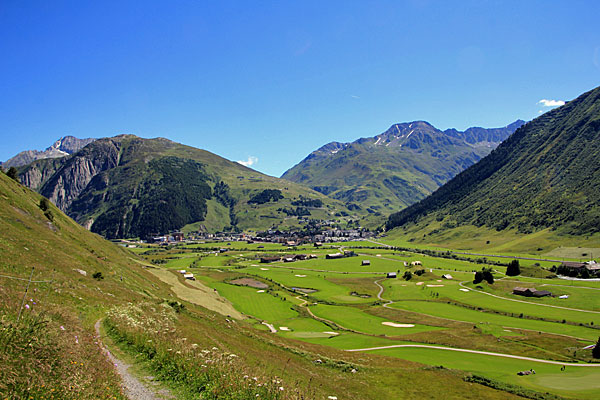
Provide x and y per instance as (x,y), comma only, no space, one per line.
(544,176)
(131,187)
(396,168)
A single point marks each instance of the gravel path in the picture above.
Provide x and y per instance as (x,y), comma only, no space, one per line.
(133,388)
(270,326)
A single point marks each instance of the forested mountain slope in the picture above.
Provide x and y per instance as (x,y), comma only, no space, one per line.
(546,175)
(127,186)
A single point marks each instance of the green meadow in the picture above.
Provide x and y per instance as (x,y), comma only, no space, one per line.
(575,382)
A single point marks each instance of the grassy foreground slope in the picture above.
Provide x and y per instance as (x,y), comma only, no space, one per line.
(542,177)
(52,351)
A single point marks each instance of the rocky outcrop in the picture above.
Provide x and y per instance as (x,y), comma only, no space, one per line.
(77,172)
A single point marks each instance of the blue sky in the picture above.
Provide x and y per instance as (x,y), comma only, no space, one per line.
(276,80)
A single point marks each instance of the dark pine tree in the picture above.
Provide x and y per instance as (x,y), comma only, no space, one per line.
(513,268)
(12,173)
(596,350)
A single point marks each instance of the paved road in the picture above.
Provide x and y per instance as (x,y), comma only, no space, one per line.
(477,352)
(500,256)
(481,254)
(133,388)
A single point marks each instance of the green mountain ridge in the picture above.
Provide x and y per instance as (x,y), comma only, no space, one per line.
(396,168)
(127,186)
(544,176)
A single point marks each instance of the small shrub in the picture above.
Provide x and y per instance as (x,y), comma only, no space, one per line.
(98,276)
(12,173)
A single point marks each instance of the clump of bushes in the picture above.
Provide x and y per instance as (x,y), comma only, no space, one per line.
(45,207)
(484,275)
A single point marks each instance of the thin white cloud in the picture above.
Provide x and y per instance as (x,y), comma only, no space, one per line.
(250,162)
(551,103)
(354,96)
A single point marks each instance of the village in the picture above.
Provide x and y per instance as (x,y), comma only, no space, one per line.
(286,238)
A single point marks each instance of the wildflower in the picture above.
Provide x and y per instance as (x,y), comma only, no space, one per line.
(27,306)
(62,328)
(280,387)
(332,397)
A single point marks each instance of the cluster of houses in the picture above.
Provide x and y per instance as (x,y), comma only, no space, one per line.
(170,238)
(291,238)
(591,266)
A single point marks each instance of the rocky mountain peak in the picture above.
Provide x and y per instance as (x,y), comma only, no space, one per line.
(62,147)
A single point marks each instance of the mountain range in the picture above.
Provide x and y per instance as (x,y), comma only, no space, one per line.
(127,186)
(62,147)
(398,167)
(545,175)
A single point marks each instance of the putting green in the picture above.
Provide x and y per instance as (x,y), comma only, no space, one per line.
(361,321)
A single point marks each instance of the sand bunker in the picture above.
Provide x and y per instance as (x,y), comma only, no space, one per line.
(419,283)
(304,290)
(284,328)
(332,333)
(464,290)
(264,269)
(434,285)
(395,325)
(260,291)
(301,276)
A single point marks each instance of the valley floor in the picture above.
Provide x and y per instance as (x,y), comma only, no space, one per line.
(434,316)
